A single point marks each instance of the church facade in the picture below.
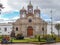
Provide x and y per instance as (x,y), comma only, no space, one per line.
(30,23)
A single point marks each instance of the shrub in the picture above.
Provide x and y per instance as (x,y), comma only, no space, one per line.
(39,38)
(19,36)
(50,36)
(1,37)
(35,36)
(57,39)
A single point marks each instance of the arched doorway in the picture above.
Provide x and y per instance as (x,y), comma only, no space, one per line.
(29,31)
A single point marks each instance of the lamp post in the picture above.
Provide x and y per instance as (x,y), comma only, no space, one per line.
(1,7)
(43,29)
(51,23)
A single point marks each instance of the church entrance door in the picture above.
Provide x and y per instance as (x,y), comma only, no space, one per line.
(29,31)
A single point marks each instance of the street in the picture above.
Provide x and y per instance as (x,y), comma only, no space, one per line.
(33,44)
(17,44)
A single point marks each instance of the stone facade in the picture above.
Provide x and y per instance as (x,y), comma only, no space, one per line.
(30,22)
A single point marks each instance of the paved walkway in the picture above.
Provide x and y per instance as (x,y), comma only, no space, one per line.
(52,44)
(32,44)
(18,44)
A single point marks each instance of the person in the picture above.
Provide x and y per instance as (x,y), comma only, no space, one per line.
(4,41)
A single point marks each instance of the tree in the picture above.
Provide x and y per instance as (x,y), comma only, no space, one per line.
(43,31)
(1,7)
(19,36)
(57,26)
(12,33)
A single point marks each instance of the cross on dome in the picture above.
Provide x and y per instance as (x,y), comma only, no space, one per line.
(30,3)
(23,8)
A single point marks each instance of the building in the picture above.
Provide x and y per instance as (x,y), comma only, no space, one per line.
(5,28)
(54,30)
(30,22)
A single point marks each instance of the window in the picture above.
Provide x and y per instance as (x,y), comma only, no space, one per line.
(5,29)
(10,28)
(8,32)
(30,20)
(42,28)
(0,32)
(0,28)
(16,28)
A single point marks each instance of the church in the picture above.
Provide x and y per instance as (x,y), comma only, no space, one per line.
(30,22)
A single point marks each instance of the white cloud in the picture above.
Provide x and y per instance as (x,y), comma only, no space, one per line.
(44,5)
(6,20)
(6,6)
(16,17)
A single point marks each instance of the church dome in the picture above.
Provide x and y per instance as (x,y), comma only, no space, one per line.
(37,9)
(30,4)
(23,9)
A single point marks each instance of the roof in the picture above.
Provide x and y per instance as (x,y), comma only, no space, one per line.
(23,9)
(30,4)
(37,9)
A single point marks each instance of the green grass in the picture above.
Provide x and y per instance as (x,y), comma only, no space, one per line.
(33,39)
(26,40)
(57,39)
(20,41)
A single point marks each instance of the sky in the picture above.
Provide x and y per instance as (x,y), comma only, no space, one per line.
(12,8)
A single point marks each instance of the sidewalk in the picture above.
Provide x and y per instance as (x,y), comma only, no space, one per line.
(18,44)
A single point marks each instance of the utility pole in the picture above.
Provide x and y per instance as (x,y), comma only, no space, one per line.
(51,22)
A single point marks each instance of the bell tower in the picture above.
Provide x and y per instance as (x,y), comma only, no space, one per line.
(22,13)
(30,8)
(37,12)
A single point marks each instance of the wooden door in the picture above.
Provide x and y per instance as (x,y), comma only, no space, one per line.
(30,31)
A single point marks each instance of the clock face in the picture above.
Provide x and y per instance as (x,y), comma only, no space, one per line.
(30,10)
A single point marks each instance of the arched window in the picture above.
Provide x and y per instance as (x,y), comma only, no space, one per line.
(42,28)
(16,28)
(5,29)
(0,28)
(30,20)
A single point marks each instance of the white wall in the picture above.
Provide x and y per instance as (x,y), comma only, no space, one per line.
(8,26)
(9,29)
(49,29)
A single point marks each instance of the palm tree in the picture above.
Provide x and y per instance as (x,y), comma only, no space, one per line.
(57,26)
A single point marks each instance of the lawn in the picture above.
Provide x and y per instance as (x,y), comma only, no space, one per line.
(33,40)
(25,40)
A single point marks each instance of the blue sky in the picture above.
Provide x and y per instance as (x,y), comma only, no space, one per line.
(10,13)
(16,14)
